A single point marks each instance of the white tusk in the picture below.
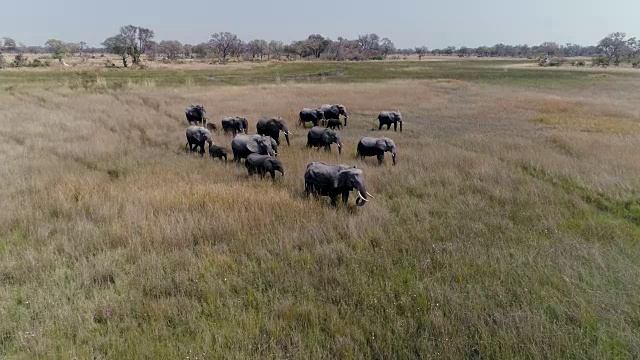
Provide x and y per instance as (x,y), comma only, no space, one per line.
(371,196)
(361,197)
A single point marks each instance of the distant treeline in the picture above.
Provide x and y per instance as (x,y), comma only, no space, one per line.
(131,42)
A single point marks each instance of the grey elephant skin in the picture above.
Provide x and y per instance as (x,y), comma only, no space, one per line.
(216,151)
(310,115)
(388,118)
(370,146)
(244,145)
(234,125)
(196,137)
(334,180)
(262,164)
(323,137)
(333,111)
(333,124)
(272,127)
(196,114)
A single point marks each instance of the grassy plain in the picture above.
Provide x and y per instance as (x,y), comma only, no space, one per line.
(508,229)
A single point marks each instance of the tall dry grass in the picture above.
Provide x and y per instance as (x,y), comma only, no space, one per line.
(508,229)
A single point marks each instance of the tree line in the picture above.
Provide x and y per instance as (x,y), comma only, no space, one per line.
(132,42)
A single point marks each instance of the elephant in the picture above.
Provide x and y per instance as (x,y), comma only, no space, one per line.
(369,146)
(334,123)
(263,164)
(196,114)
(319,136)
(333,180)
(235,125)
(310,115)
(196,137)
(212,127)
(388,118)
(243,145)
(218,152)
(272,127)
(334,111)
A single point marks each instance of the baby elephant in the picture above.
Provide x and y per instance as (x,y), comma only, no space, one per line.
(218,152)
(262,164)
(334,123)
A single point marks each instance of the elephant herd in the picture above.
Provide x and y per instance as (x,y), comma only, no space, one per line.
(260,150)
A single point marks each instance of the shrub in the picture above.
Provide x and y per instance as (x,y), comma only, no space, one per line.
(3,62)
(580,63)
(600,61)
(20,61)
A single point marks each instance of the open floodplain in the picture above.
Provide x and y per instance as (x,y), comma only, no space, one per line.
(509,227)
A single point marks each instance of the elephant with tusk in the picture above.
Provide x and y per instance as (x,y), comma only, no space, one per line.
(235,125)
(369,146)
(272,127)
(333,111)
(333,180)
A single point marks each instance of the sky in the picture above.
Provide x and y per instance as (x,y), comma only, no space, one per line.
(408,23)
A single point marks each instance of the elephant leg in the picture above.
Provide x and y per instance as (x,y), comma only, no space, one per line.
(327,148)
(345,197)
(273,174)
(334,200)
(380,158)
(395,126)
(380,127)
(388,126)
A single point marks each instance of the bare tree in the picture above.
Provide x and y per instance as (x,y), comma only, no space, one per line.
(369,44)
(549,48)
(137,40)
(275,49)
(257,48)
(225,43)
(386,47)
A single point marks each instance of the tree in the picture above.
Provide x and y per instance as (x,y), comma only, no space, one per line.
(8,44)
(275,49)
(369,44)
(117,45)
(136,40)
(549,48)
(258,48)
(421,51)
(171,48)
(315,45)
(58,48)
(225,43)
(464,51)
(202,50)
(387,47)
(613,46)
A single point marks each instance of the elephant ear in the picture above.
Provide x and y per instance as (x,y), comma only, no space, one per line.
(273,125)
(252,145)
(381,144)
(326,136)
(342,180)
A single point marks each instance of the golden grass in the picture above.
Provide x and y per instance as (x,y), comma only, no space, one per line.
(494,235)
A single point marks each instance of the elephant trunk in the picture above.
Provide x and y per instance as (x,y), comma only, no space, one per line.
(393,157)
(346,117)
(339,148)
(286,135)
(362,195)
(400,125)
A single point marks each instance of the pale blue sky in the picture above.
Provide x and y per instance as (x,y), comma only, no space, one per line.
(408,23)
